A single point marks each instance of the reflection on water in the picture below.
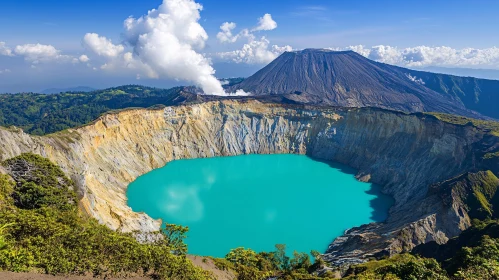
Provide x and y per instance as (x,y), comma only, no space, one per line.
(257,201)
(183,203)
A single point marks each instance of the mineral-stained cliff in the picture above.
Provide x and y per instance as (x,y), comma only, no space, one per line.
(406,153)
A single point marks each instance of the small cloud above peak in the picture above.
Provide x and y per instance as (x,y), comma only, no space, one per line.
(255,51)
(265,23)
(225,35)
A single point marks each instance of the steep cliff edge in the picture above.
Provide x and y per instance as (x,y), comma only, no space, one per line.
(406,153)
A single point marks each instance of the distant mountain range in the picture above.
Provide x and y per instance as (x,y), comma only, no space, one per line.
(75,89)
(348,79)
(491,74)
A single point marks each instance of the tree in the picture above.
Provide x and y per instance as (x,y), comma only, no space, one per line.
(281,259)
(242,256)
(300,261)
(174,236)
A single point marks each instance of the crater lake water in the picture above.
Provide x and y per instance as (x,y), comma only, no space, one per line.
(257,201)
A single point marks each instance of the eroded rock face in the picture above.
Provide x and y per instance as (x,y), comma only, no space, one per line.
(404,153)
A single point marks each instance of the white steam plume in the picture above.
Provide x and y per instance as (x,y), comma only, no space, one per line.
(165,44)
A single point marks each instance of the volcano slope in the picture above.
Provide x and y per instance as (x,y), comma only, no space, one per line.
(347,79)
(417,158)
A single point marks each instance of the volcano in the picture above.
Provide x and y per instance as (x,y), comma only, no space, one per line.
(347,79)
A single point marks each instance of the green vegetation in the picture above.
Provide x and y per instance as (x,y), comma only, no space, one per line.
(43,185)
(472,255)
(403,266)
(491,126)
(491,155)
(477,190)
(41,114)
(42,230)
(248,265)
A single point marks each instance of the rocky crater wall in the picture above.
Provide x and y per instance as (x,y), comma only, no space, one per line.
(405,153)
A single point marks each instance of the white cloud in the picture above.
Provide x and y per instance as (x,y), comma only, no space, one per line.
(164,44)
(83,58)
(37,53)
(255,51)
(101,45)
(4,50)
(5,71)
(421,56)
(225,35)
(265,23)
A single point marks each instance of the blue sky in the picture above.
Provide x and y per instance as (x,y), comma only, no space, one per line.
(402,23)
(301,24)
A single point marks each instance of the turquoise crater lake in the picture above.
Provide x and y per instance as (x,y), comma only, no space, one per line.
(257,201)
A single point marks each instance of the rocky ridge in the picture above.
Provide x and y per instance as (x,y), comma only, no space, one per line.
(405,153)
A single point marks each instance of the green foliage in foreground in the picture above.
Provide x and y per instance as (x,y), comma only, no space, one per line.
(40,184)
(472,255)
(41,114)
(249,265)
(403,266)
(43,231)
